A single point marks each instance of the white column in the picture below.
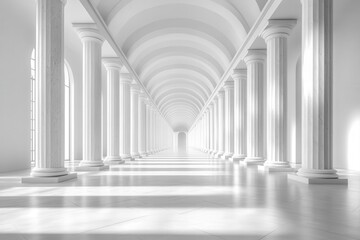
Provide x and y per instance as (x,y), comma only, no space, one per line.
(50,120)
(275,36)
(216,127)
(151,130)
(255,61)
(142,125)
(92,42)
(134,91)
(113,67)
(317,166)
(221,126)
(208,130)
(240,108)
(229,119)
(125,82)
(148,107)
(211,127)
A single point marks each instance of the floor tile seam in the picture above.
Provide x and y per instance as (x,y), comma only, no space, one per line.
(109,225)
(211,234)
(331,232)
(268,234)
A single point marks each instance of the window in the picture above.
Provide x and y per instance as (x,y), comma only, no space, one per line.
(33,109)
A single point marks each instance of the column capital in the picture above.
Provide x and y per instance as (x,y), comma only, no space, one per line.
(125,78)
(142,95)
(229,84)
(88,32)
(255,55)
(135,88)
(239,74)
(278,28)
(221,94)
(112,63)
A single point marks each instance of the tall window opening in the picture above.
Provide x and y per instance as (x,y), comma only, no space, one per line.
(67,99)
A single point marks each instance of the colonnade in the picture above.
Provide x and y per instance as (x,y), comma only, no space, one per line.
(255,142)
(135,128)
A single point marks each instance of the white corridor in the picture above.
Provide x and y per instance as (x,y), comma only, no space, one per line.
(168,197)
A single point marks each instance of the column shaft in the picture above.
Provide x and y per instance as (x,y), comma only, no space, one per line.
(92,42)
(211,127)
(221,125)
(134,121)
(113,67)
(142,125)
(216,127)
(50,120)
(125,82)
(240,109)
(255,106)
(317,93)
(229,119)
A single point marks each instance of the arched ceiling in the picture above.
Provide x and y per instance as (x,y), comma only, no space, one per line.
(179,48)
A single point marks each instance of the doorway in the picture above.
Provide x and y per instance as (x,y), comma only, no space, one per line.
(182,142)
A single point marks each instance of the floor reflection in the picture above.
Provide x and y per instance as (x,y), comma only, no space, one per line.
(178,197)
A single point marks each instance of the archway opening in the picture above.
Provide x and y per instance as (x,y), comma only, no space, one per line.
(182,142)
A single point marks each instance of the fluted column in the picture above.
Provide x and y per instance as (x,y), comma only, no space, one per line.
(50,147)
(92,42)
(317,83)
(229,119)
(148,126)
(134,91)
(275,36)
(113,67)
(142,124)
(240,109)
(208,130)
(125,82)
(211,128)
(221,126)
(255,61)
(216,127)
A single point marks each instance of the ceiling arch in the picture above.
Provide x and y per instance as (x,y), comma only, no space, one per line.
(179,48)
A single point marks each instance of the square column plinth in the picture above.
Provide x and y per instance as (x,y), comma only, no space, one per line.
(276,169)
(90,169)
(306,180)
(57,179)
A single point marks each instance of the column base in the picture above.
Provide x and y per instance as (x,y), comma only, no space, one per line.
(91,168)
(276,169)
(253,161)
(237,158)
(226,156)
(113,160)
(307,180)
(135,155)
(57,179)
(219,154)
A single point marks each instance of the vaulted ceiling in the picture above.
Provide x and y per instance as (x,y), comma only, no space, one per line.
(179,48)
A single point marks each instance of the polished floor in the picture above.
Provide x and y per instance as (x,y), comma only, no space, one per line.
(168,197)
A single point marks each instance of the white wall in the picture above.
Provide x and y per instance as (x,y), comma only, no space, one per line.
(346,108)
(16,43)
